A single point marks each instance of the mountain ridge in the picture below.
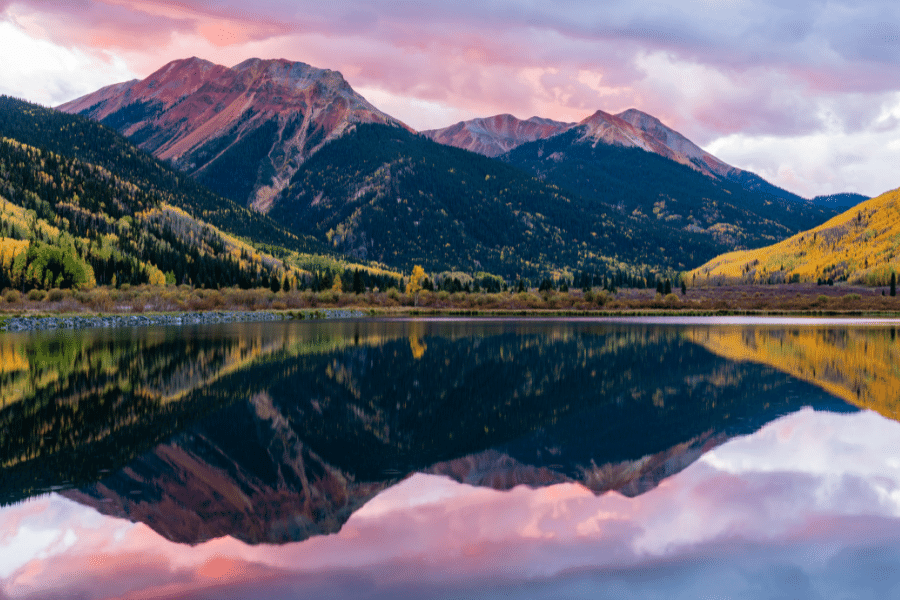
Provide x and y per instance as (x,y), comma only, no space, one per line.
(631,128)
(250,132)
(243,131)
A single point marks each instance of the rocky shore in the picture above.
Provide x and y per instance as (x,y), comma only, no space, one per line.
(193,318)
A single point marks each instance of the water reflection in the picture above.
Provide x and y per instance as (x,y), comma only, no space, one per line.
(272,433)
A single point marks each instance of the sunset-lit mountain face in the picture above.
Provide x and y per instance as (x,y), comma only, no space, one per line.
(243,131)
(493,136)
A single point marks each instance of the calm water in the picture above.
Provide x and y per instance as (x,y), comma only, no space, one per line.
(452,459)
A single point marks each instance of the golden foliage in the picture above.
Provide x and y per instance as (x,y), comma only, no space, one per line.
(858,365)
(861,246)
(12,359)
(416,280)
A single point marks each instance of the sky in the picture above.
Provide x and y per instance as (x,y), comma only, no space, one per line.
(805,93)
(807,507)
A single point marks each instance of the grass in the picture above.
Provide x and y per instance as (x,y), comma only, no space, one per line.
(799,299)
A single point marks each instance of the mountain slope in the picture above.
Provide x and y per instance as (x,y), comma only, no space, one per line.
(80,205)
(384,194)
(629,129)
(242,131)
(861,245)
(650,186)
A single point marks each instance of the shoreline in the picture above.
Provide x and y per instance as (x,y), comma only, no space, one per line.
(41,321)
(33,322)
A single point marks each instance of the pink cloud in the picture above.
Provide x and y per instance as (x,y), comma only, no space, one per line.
(771,70)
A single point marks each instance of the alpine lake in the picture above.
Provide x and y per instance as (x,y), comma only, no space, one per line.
(452,458)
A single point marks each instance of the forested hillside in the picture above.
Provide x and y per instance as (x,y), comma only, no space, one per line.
(382,193)
(79,206)
(861,245)
(66,223)
(651,188)
(85,140)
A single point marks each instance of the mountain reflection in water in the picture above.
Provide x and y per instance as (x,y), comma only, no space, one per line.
(272,433)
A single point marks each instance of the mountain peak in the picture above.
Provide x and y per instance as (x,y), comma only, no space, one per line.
(209,119)
(496,135)
(636,129)
(599,115)
(632,114)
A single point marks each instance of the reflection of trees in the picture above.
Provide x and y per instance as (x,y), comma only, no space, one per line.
(279,431)
(79,402)
(860,365)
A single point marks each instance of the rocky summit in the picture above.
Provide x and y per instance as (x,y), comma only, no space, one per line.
(493,136)
(243,131)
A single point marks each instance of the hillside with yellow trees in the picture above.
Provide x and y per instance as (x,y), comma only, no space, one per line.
(859,365)
(860,246)
(81,206)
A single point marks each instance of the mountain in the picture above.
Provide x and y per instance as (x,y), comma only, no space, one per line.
(382,193)
(81,205)
(495,135)
(652,187)
(614,192)
(859,246)
(635,165)
(632,128)
(242,131)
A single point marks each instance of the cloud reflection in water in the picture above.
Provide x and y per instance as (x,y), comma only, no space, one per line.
(806,507)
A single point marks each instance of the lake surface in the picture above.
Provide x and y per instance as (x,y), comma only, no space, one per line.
(658,458)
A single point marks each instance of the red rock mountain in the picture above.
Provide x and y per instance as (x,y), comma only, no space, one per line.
(493,136)
(244,130)
(636,129)
(496,135)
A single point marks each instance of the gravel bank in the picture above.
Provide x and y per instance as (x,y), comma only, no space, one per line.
(195,318)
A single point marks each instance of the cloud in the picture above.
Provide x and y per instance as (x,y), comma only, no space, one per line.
(777,74)
(39,71)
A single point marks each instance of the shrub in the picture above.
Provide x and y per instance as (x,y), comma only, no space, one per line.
(12,296)
(36,295)
(328,297)
(55,295)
